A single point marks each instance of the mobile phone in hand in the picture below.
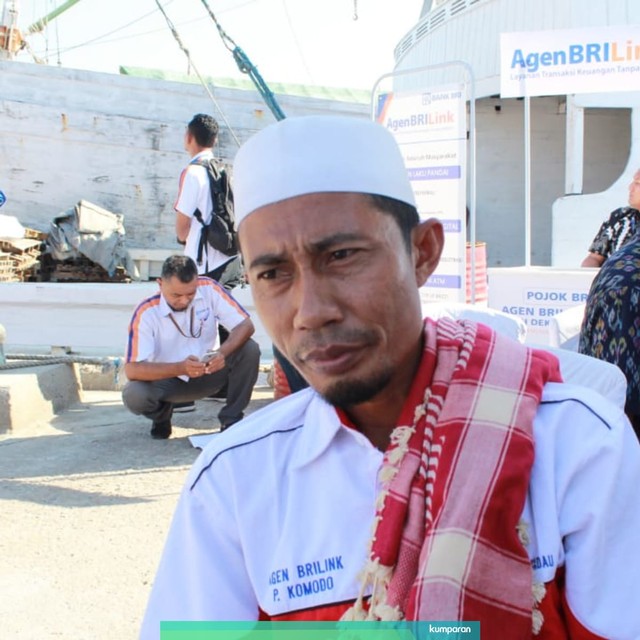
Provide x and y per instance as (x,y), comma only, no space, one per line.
(209,355)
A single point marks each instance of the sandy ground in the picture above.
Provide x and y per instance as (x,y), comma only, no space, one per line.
(86,503)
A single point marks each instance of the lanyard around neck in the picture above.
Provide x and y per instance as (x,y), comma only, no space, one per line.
(191,323)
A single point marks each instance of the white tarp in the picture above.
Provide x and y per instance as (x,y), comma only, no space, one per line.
(10,227)
(93,232)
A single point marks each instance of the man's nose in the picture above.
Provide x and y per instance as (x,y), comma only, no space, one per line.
(316,301)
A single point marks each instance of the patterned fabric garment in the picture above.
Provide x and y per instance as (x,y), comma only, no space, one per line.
(465,431)
(611,326)
(615,232)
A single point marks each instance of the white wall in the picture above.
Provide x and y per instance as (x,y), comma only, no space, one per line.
(469,30)
(500,161)
(91,318)
(116,141)
(577,218)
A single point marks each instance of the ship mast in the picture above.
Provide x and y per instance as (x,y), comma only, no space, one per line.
(39,25)
(11,39)
(10,36)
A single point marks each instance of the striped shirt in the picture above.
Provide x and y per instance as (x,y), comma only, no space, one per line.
(153,336)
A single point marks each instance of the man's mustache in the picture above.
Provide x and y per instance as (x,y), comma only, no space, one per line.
(327,339)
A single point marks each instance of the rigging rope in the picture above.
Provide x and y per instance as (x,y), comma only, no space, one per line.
(193,66)
(101,38)
(38,60)
(246,66)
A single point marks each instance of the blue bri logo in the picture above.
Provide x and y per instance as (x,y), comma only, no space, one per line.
(589,53)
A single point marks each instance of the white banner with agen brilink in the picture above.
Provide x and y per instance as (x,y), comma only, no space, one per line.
(430,128)
(567,61)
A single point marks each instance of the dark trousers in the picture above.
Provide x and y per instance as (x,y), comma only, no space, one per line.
(155,399)
(230,274)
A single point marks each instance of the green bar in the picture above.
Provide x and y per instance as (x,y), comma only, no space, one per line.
(436,630)
(39,25)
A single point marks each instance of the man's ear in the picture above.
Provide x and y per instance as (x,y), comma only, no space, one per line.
(428,242)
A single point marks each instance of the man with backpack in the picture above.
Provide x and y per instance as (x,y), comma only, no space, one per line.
(205,223)
(195,208)
(205,200)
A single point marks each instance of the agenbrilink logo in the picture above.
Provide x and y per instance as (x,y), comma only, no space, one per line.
(584,53)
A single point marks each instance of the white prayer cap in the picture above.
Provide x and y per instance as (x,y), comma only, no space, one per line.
(318,154)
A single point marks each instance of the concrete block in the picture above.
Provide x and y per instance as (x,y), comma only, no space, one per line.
(30,396)
(88,318)
(108,376)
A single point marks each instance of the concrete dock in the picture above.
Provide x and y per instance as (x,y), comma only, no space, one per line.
(87,497)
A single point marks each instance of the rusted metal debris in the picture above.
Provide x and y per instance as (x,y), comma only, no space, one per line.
(26,260)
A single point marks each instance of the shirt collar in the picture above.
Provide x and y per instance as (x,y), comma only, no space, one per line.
(323,422)
(207,153)
(165,309)
(322,425)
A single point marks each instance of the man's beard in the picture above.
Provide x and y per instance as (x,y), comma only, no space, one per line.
(346,393)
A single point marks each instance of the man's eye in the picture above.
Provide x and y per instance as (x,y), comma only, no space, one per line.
(270,274)
(341,254)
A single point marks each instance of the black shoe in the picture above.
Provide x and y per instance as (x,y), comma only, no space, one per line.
(161,430)
(224,427)
(184,407)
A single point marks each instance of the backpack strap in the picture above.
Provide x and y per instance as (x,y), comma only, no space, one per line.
(219,187)
(202,241)
(221,201)
(197,214)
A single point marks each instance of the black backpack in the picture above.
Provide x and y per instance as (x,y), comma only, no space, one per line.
(220,233)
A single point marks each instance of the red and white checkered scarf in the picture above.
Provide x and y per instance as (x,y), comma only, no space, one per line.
(447,544)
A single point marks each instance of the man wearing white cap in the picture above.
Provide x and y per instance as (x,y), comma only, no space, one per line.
(433,470)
